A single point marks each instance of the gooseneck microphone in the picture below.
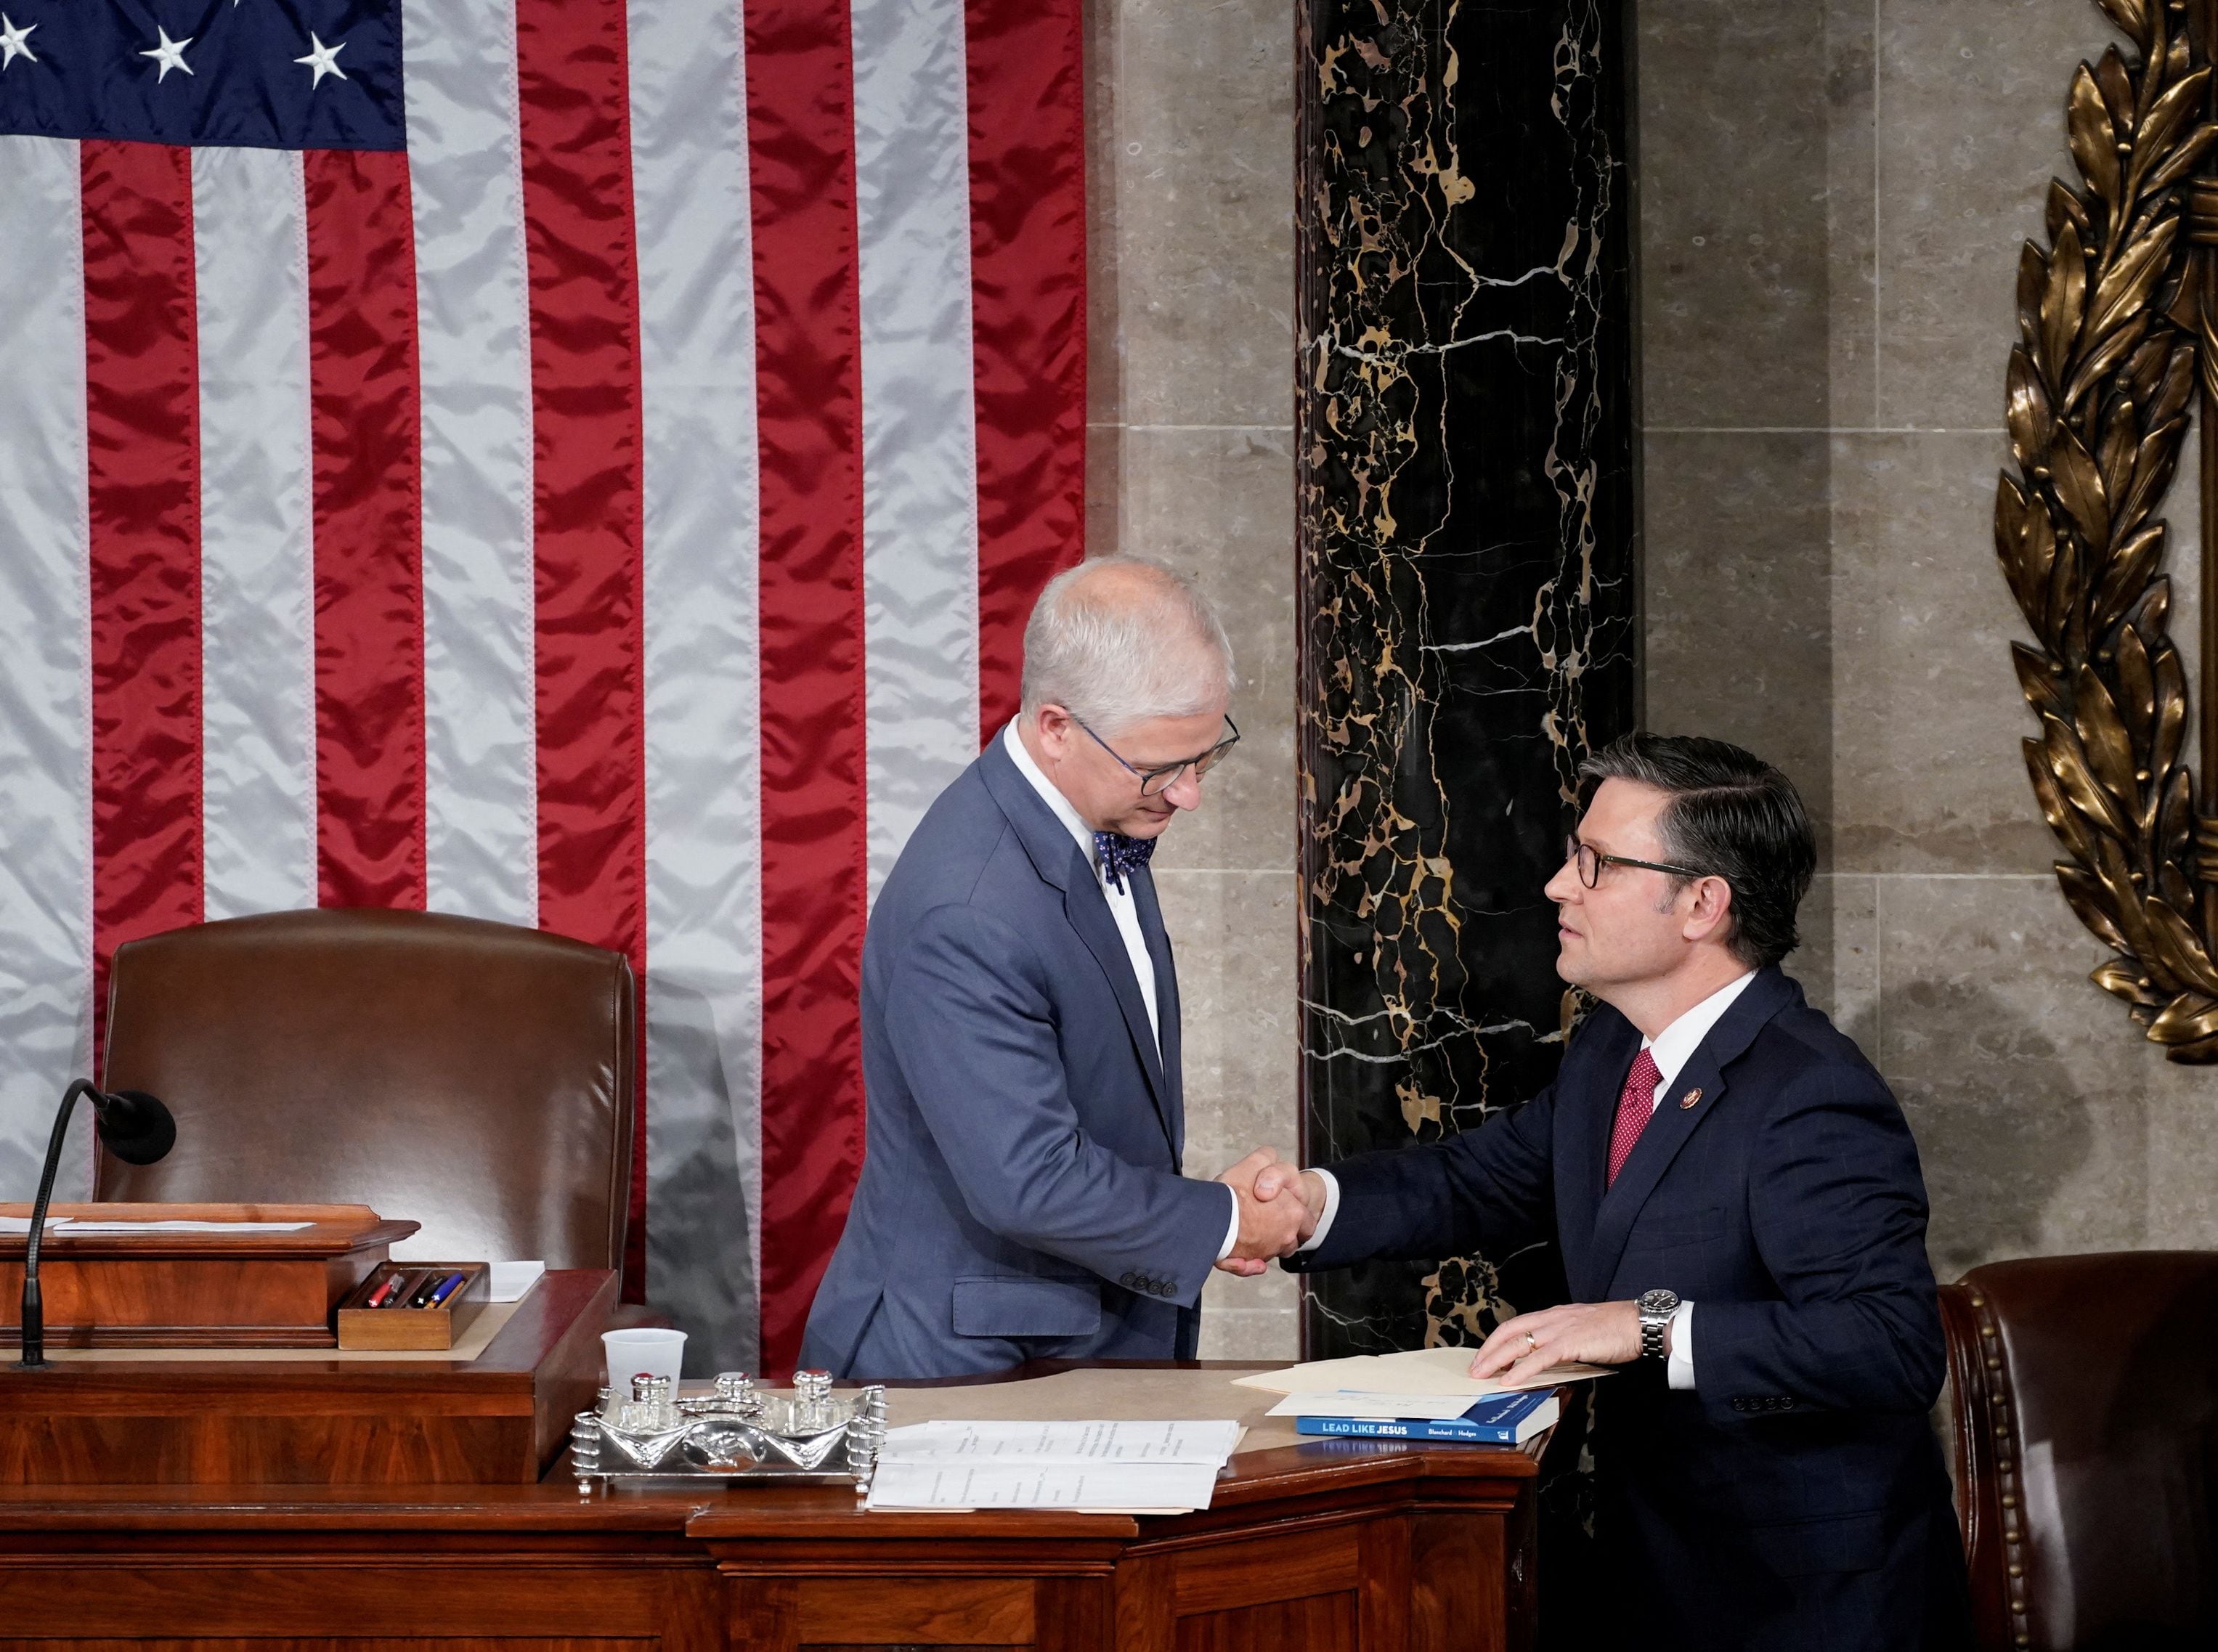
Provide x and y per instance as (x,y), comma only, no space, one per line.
(134,1126)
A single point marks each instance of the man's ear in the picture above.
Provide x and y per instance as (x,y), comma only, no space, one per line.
(1054,725)
(1710,918)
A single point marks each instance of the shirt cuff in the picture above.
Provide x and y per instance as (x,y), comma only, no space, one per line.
(1232,1231)
(1679,1367)
(1331,1209)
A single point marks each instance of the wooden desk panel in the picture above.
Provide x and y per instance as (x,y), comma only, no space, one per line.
(1351,1546)
(501,1417)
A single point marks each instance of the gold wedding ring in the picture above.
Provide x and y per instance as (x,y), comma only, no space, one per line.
(1532,1342)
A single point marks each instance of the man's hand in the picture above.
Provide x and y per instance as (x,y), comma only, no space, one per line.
(1306,1184)
(1270,1225)
(1599,1333)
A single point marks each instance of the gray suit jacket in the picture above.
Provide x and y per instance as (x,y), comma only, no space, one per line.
(1021,1196)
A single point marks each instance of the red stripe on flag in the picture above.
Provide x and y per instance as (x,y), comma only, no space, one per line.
(1028,319)
(583,270)
(368,534)
(801,125)
(142,422)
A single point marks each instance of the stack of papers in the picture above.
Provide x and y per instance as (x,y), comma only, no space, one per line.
(1130,1467)
(1439,1373)
(1347,1402)
(509,1280)
(1425,1394)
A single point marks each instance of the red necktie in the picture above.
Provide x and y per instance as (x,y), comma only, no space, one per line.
(1636,1104)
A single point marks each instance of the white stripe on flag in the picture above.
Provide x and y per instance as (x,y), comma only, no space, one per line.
(703,727)
(45,777)
(919,425)
(481,783)
(258,552)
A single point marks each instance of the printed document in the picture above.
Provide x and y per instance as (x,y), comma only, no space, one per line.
(950,1484)
(1128,1467)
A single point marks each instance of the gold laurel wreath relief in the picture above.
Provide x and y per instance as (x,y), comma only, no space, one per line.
(2119,315)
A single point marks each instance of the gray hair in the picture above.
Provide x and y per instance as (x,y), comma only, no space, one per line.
(1122,639)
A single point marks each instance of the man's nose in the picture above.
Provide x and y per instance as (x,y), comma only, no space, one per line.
(1565,888)
(1185,792)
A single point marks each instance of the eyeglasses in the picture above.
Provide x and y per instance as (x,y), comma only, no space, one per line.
(1592,860)
(1155,782)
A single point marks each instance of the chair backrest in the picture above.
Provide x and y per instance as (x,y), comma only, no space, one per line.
(471,1076)
(2084,1394)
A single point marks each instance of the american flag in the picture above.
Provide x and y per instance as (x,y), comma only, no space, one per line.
(571,463)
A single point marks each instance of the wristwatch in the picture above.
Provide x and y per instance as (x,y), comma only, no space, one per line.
(1655,1308)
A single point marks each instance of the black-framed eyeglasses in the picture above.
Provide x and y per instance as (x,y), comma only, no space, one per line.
(1155,782)
(1591,860)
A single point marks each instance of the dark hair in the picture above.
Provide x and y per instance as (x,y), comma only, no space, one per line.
(1729,814)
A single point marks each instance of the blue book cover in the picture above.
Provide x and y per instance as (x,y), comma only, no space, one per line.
(1498,1419)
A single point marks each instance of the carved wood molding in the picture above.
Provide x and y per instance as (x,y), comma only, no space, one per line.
(2119,327)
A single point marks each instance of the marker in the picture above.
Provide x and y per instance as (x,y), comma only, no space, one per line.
(421,1297)
(377,1296)
(448,1286)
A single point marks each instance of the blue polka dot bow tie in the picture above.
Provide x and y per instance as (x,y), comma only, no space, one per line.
(1120,854)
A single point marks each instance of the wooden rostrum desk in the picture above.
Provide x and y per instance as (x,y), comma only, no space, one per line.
(1323,1544)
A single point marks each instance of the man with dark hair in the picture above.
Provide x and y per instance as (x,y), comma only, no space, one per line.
(1742,1220)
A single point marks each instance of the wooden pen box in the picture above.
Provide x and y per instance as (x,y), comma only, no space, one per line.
(363,1327)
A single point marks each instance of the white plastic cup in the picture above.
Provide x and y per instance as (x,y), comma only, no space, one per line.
(647,1351)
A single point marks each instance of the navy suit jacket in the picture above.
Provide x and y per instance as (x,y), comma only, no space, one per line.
(1798,1486)
(1021,1196)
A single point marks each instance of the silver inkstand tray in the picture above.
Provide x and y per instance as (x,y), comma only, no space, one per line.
(735,1433)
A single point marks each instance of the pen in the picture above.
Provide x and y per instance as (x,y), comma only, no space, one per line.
(447,1288)
(377,1296)
(424,1287)
(404,1282)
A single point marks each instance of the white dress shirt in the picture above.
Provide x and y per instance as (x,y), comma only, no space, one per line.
(1122,908)
(1670,1050)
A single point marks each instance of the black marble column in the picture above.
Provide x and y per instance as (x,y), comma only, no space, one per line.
(1468,605)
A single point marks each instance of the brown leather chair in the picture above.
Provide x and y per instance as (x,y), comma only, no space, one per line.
(2084,1391)
(473,1077)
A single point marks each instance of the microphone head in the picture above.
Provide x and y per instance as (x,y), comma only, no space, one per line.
(135,1126)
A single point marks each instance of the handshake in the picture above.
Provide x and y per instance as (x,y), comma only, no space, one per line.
(1280,1204)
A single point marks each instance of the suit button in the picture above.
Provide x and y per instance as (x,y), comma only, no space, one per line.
(1167,1289)
(1130,1280)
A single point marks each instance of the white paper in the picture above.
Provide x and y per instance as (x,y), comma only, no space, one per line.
(961,1484)
(1440,1372)
(506,1281)
(71,1225)
(1383,1408)
(1208,1443)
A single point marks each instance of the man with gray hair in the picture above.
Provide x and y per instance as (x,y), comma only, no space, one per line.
(1022,1195)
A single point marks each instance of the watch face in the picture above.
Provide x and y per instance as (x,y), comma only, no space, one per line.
(1659,1302)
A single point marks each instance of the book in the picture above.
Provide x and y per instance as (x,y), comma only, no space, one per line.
(1497,1419)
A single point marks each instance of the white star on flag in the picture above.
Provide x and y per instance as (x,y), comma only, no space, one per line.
(170,55)
(323,60)
(12,39)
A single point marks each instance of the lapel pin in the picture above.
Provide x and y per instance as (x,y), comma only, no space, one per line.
(1690,1099)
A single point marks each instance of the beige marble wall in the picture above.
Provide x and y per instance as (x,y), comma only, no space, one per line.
(1832,198)
(1191,132)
